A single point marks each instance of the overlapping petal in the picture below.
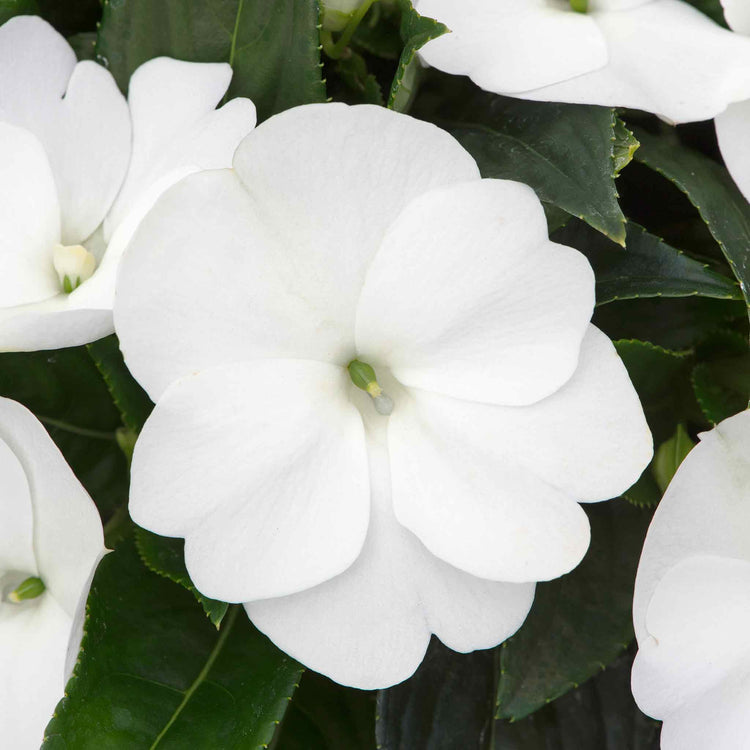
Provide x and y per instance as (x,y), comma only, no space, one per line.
(29,217)
(468,297)
(493,490)
(369,627)
(77,113)
(665,57)
(512,47)
(737,14)
(259,262)
(262,467)
(731,131)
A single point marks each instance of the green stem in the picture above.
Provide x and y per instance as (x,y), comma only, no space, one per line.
(83,431)
(334,51)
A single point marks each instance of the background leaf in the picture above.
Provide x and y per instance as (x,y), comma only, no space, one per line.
(273,47)
(722,387)
(153,673)
(579,623)
(447,704)
(647,267)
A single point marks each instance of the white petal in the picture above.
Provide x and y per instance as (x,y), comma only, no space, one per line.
(737,13)
(67,530)
(474,505)
(176,127)
(468,297)
(16,518)
(370,626)
(223,271)
(703,512)
(732,128)
(30,219)
(33,640)
(697,623)
(665,57)
(506,46)
(262,468)
(75,110)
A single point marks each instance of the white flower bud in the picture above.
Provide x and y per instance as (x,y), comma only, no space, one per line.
(74,265)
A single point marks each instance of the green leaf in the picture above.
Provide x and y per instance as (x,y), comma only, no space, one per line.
(722,387)
(359,85)
(625,146)
(273,47)
(152,673)
(711,190)
(415,32)
(645,493)
(600,715)
(661,379)
(712,8)
(84,45)
(10,8)
(648,267)
(579,623)
(327,716)
(166,557)
(669,455)
(564,151)
(447,704)
(131,400)
(65,390)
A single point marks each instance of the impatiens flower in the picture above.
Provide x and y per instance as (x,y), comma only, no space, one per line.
(50,541)
(662,56)
(79,168)
(378,403)
(733,125)
(692,598)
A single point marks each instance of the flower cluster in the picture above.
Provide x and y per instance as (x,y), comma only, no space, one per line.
(381,405)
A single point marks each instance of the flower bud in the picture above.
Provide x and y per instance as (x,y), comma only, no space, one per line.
(336,13)
(74,265)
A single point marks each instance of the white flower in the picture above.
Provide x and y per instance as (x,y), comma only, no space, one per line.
(50,540)
(662,56)
(66,163)
(692,598)
(733,125)
(348,233)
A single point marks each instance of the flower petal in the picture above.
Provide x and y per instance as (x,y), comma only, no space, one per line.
(224,271)
(665,57)
(737,14)
(177,128)
(508,47)
(30,219)
(68,535)
(731,130)
(77,113)
(369,627)
(33,641)
(262,468)
(703,512)
(16,517)
(468,297)
(697,623)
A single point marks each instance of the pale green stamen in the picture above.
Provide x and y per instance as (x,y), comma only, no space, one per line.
(363,376)
(31,588)
(580,6)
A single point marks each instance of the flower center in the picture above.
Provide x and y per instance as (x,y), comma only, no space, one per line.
(74,265)
(18,589)
(363,376)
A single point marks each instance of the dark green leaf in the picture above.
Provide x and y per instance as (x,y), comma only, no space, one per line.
(648,267)
(65,390)
(579,623)
(10,8)
(711,190)
(625,145)
(166,557)
(669,455)
(84,45)
(661,378)
(361,87)
(564,151)
(272,46)
(415,31)
(327,716)
(153,673)
(722,387)
(645,493)
(447,704)
(131,400)
(712,8)
(600,715)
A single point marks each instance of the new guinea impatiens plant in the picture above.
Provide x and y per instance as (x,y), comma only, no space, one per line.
(361,421)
